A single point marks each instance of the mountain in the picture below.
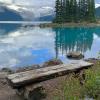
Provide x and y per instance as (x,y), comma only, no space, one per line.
(30,13)
(45,18)
(7,14)
(98,12)
(26,13)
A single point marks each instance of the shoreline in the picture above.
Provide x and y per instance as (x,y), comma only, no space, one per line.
(52,88)
(68,25)
(48,63)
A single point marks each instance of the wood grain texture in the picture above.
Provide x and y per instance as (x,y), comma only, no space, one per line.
(34,76)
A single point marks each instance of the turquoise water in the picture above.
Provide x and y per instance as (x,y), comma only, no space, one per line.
(22,46)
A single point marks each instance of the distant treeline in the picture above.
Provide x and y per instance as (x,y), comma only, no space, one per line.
(74,11)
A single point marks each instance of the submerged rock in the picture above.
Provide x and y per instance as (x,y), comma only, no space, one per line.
(52,62)
(75,55)
(93,60)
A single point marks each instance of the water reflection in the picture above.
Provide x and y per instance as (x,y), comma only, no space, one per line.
(26,46)
(74,39)
(7,28)
(22,46)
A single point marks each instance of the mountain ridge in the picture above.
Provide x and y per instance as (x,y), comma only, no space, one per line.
(9,15)
(98,12)
(30,14)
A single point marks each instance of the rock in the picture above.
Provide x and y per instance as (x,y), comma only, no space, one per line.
(3,81)
(8,70)
(3,76)
(52,62)
(92,59)
(23,69)
(75,55)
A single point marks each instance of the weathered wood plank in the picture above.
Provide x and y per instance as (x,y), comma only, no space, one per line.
(42,74)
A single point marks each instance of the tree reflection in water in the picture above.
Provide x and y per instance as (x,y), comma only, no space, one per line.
(74,39)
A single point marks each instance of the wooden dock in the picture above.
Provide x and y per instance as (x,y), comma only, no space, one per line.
(38,75)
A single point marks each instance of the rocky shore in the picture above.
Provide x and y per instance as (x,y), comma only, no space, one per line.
(7,93)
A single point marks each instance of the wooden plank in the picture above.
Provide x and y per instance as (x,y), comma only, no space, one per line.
(42,74)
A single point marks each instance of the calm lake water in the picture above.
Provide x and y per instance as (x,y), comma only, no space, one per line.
(24,45)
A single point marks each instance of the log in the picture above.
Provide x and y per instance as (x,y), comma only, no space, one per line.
(28,92)
(22,79)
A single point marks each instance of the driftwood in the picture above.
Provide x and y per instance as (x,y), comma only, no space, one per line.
(27,83)
(21,79)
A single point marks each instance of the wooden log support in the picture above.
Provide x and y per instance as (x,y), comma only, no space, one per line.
(22,79)
(28,91)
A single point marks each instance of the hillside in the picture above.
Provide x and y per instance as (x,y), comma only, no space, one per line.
(7,14)
(45,18)
(98,12)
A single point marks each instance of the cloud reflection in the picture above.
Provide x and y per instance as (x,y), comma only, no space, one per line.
(19,48)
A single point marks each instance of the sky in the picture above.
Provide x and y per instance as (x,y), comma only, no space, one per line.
(31,2)
(35,2)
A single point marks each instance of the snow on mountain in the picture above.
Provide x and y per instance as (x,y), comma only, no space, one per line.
(17,8)
(97,5)
(9,15)
(30,12)
(46,11)
(26,13)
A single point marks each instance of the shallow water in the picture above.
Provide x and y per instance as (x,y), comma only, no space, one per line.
(22,46)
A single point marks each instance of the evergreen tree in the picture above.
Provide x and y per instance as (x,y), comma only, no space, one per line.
(83,10)
(74,11)
(67,10)
(75,7)
(71,10)
(64,10)
(58,11)
(79,10)
(91,11)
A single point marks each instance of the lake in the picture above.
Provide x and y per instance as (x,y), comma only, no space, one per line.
(22,45)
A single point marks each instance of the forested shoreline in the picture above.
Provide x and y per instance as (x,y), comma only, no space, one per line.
(74,11)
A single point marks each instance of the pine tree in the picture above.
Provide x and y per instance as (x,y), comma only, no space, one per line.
(67,10)
(79,10)
(64,10)
(74,11)
(71,9)
(58,11)
(83,10)
(91,10)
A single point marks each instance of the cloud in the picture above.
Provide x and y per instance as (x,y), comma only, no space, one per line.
(31,2)
(6,1)
(34,2)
